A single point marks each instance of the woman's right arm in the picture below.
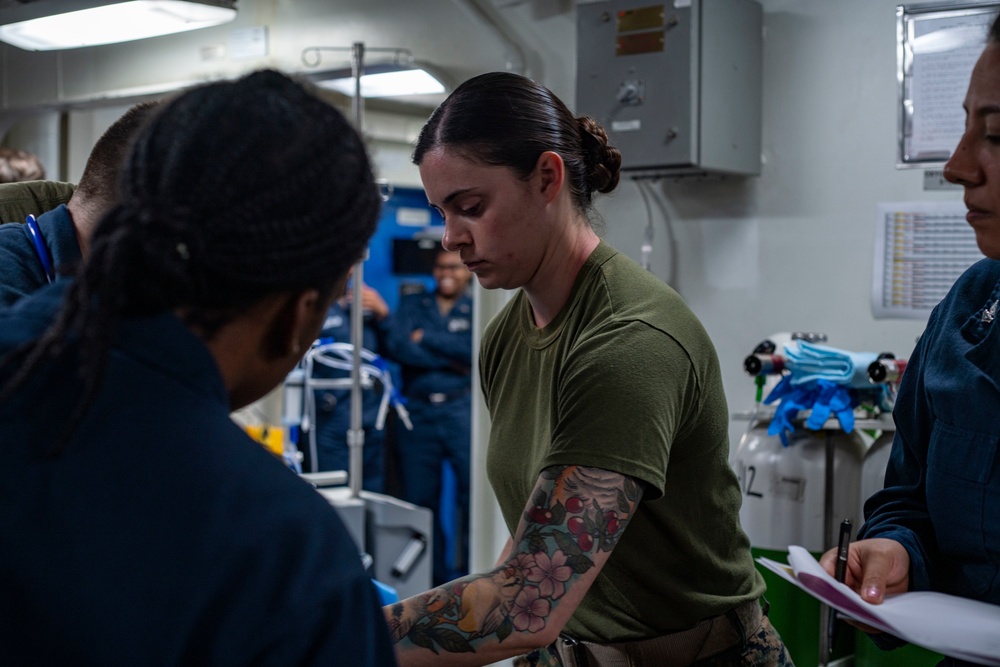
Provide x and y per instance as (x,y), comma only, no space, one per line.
(573,520)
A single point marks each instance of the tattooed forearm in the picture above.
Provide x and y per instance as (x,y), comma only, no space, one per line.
(449,618)
(574,519)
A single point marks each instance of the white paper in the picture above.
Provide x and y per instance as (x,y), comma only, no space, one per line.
(954,626)
(940,50)
(921,248)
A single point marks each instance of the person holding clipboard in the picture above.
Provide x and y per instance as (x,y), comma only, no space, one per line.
(935,526)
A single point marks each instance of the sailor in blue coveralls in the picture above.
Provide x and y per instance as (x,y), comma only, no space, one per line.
(431,338)
(935,525)
(333,406)
(31,253)
(38,251)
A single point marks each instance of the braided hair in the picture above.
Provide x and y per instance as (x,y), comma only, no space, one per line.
(233,191)
(505,119)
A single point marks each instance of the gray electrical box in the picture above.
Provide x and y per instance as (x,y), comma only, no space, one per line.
(676,84)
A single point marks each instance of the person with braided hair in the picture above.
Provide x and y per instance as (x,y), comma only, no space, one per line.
(608,448)
(140,524)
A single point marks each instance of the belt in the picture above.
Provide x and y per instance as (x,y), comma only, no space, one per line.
(438,396)
(708,638)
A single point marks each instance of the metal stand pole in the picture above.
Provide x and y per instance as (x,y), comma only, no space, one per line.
(824,611)
(356,434)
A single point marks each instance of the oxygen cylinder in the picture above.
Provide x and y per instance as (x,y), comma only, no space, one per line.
(784,488)
(784,492)
(874,464)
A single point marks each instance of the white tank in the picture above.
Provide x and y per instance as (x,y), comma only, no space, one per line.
(784,488)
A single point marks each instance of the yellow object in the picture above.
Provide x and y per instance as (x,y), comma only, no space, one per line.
(272,437)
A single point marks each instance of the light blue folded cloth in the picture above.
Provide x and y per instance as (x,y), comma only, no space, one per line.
(807,362)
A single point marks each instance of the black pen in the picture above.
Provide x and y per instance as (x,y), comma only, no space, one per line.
(839,573)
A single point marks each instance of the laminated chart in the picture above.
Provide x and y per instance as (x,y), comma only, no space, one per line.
(921,248)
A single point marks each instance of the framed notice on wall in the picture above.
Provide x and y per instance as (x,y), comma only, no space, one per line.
(937,46)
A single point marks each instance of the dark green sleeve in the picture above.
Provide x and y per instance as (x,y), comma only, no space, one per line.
(17,200)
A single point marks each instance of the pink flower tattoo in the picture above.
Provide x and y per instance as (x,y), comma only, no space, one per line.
(529,610)
(550,573)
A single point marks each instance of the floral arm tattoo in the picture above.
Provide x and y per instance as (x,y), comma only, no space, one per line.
(573,520)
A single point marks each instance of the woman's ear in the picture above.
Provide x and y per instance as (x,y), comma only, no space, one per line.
(294,325)
(550,172)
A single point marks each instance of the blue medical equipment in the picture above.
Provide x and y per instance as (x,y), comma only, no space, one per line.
(825,382)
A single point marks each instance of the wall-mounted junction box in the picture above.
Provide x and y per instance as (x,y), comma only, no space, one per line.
(676,83)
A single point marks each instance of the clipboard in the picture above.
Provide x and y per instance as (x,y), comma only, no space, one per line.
(954,626)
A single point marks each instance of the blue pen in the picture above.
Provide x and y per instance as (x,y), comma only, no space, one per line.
(44,256)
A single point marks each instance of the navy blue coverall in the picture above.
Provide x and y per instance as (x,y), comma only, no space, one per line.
(333,406)
(162,533)
(436,382)
(20,268)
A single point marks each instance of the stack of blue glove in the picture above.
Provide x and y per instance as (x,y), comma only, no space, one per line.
(825,381)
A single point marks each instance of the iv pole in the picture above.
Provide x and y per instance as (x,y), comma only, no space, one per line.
(356,433)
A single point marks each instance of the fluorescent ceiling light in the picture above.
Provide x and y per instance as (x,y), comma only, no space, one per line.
(387,81)
(67,24)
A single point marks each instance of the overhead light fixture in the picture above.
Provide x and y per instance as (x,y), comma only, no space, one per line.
(386,81)
(399,77)
(45,25)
